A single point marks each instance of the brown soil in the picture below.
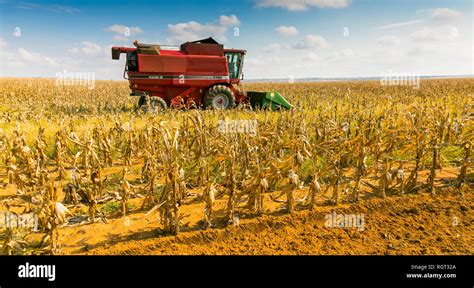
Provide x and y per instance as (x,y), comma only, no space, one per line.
(408,224)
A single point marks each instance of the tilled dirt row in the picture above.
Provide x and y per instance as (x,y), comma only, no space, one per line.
(412,224)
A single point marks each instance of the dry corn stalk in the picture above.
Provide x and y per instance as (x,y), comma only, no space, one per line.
(342,132)
(125,191)
(293,183)
(53,213)
(314,189)
(432,175)
(460,181)
(208,196)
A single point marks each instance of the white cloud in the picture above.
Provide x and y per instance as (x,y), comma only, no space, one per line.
(311,57)
(401,24)
(29,56)
(437,16)
(338,55)
(254,62)
(23,62)
(51,8)
(88,48)
(193,30)
(311,41)
(51,61)
(424,35)
(274,60)
(231,20)
(27,6)
(420,50)
(388,41)
(287,30)
(444,15)
(302,5)
(8,58)
(121,38)
(272,48)
(63,9)
(122,31)
(347,52)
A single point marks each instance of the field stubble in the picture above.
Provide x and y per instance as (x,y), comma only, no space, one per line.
(104,178)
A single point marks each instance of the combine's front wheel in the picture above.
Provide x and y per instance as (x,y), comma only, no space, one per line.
(219,97)
(155,105)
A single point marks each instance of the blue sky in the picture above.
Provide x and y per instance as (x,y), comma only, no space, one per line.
(297,38)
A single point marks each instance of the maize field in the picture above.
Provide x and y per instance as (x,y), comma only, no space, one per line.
(99,176)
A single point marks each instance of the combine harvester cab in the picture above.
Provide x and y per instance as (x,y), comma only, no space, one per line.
(197,74)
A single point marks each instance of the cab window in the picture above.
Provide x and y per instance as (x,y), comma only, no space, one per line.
(234,61)
(132,63)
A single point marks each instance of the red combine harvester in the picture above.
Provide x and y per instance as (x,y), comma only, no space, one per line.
(200,74)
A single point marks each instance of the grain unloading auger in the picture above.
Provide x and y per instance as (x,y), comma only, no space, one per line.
(197,74)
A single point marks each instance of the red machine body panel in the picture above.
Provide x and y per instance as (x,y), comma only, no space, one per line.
(183,64)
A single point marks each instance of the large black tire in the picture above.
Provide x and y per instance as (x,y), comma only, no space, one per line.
(141,101)
(156,105)
(219,97)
